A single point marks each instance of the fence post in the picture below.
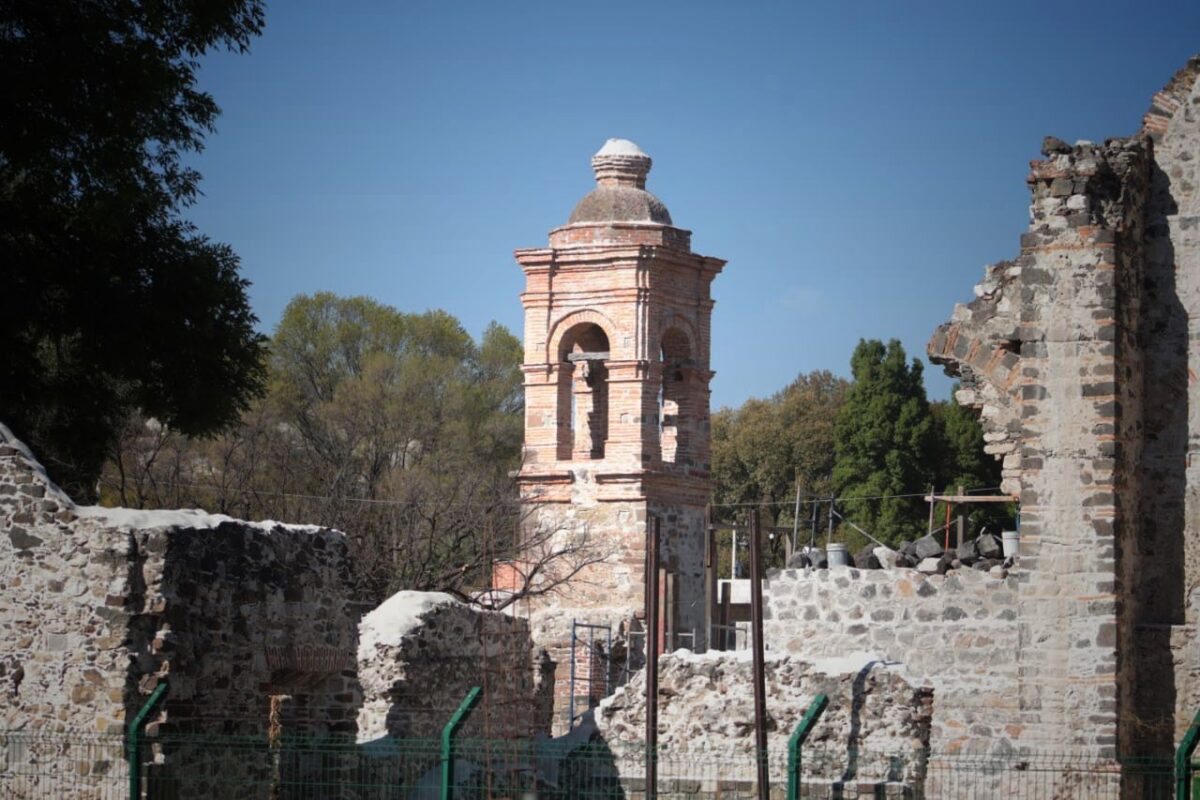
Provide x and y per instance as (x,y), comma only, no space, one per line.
(448,734)
(133,740)
(1183,760)
(815,709)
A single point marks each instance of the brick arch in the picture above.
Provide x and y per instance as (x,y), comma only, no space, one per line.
(955,348)
(1169,100)
(581,317)
(683,326)
(1174,135)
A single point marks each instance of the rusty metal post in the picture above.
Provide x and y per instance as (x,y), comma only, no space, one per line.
(710,581)
(728,641)
(652,613)
(760,677)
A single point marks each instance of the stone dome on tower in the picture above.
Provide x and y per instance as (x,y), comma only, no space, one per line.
(620,194)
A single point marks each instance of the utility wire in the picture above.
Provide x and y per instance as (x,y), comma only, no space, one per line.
(819,499)
(813,498)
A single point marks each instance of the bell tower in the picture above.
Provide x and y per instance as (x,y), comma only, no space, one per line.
(617,321)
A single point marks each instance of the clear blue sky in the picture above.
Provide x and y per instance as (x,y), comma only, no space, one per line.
(856,163)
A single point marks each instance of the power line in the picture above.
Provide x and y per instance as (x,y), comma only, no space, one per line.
(816,498)
(809,497)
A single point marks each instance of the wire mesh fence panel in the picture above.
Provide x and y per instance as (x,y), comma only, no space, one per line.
(185,766)
(980,777)
(62,765)
(292,768)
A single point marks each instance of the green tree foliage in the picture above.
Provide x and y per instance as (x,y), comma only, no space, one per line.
(396,428)
(885,443)
(962,462)
(760,449)
(111,301)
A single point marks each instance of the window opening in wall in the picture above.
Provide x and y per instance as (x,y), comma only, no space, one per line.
(674,410)
(583,393)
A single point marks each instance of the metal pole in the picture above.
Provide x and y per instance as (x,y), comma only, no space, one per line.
(815,709)
(796,516)
(724,638)
(961,493)
(652,662)
(931,505)
(608,662)
(133,740)
(1183,760)
(571,696)
(946,535)
(733,554)
(448,734)
(812,539)
(710,576)
(760,680)
(829,538)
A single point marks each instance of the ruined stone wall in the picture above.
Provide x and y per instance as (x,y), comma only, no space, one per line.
(420,653)
(612,593)
(1166,592)
(101,605)
(1078,353)
(869,742)
(1059,365)
(956,633)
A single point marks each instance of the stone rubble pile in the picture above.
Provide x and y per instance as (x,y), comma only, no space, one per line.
(926,554)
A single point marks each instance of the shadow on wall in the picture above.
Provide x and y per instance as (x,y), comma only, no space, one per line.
(1160,589)
(254,630)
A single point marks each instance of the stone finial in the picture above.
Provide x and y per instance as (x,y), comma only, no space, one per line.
(620,162)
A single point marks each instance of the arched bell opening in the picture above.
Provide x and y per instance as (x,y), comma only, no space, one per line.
(674,402)
(583,393)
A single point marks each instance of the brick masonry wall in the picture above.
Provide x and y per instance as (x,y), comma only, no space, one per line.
(639,282)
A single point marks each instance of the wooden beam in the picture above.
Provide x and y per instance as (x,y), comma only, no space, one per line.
(972,498)
(574,357)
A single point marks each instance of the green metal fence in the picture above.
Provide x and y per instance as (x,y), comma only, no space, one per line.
(70,765)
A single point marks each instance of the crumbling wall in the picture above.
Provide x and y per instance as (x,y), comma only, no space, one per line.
(611,536)
(957,633)
(1078,355)
(1168,692)
(872,737)
(247,622)
(419,653)
(1072,390)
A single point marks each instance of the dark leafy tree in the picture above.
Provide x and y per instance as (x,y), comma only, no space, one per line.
(885,443)
(962,462)
(112,302)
